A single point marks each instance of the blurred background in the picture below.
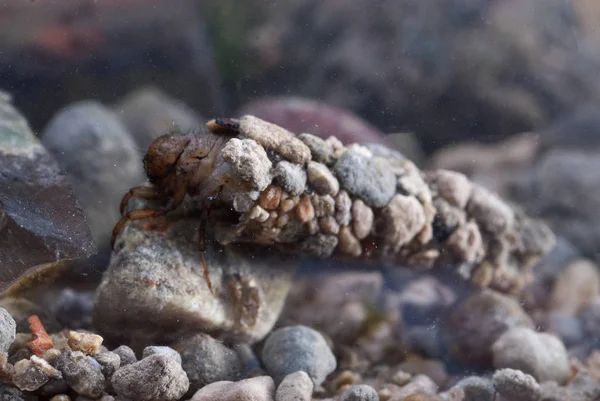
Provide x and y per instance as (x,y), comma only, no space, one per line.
(446,70)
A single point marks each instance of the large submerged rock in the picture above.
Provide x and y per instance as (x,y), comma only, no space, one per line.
(41,221)
(155,290)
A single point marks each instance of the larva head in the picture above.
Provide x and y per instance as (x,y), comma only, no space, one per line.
(163,156)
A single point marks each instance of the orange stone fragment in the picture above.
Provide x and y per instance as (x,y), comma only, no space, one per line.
(41,340)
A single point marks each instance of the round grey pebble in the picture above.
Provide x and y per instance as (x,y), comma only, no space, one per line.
(126,355)
(101,159)
(8,328)
(155,378)
(477,389)
(206,360)
(370,179)
(515,385)
(83,373)
(471,327)
(295,348)
(161,350)
(360,393)
(12,394)
(109,362)
(541,355)
(291,177)
(296,386)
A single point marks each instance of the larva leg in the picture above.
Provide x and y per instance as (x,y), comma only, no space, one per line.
(202,236)
(202,245)
(173,203)
(139,192)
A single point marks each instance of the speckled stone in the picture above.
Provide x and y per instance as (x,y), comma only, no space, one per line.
(515,385)
(296,386)
(249,162)
(275,138)
(541,355)
(291,177)
(290,349)
(321,179)
(362,219)
(372,180)
(321,150)
(399,222)
(155,378)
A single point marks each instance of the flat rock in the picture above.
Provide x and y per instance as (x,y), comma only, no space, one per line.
(41,220)
(155,291)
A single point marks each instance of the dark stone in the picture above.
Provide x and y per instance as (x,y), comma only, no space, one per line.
(41,221)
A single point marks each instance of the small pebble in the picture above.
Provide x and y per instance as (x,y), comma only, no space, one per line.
(259,388)
(109,362)
(453,187)
(87,343)
(362,219)
(6,369)
(60,397)
(29,375)
(8,328)
(305,211)
(420,384)
(82,372)
(206,360)
(155,378)
(290,349)
(515,385)
(275,138)
(471,327)
(490,212)
(401,378)
(541,355)
(269,198)
(369,179)
(324,205)
(360,393)
(322,180)
(54,387)
(167,351)
(296,386)
(328,225)
(343,204)
(249,162)
(434,369)
(477,389)
(126,355)
(321,150)
(399,222)
(291,177)
(348,243)
(52,356)
(12,394)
